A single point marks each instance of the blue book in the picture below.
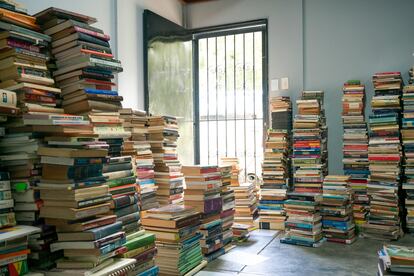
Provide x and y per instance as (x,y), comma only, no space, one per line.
(101,92)
(153,271)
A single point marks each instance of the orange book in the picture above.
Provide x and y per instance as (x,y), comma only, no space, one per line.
(14,254)
(19,19)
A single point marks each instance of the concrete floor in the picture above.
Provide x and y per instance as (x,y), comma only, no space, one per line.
(263,254)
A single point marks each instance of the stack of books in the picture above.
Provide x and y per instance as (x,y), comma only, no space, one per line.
(121,181)
(336,210)
(14,249)
(141,247)
(246,204)
(135,122)
(408,142)
(7,216)
(407,139)
(395,260)
(304,222)
(235,171)
(77,202)
(84,60)
(177,239)
(309,159)
(241,232)
(275,181)
(385,156)
(229,203)
(355,146)
(281,113)
(163,136)
(203,193)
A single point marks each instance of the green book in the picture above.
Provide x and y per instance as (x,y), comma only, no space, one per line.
(140,241)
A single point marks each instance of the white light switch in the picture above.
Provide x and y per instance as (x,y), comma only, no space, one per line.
(274,85)
(284,83)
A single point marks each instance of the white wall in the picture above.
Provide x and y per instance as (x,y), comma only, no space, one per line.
(122,20)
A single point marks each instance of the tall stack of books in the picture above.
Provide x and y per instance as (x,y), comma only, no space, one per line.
(163,136)
(355,146)
(121,181)
(203,188)
(14,249)
(281,113)
(309,160)
(141,247)
(235,171)
(77,202)
(135,122)
(177,239)
(336,210)
(84,60)
(408,142)
(395,260)
(385,156)
(246,204)
(275,181)
(229,203)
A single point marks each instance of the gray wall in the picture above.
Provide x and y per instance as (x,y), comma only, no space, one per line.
(319,44)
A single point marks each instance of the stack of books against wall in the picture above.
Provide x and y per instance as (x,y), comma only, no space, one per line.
(77,202)
(385,156)
(235,171)
(309,159)
(135,122)
(395,260)
(229,203)
(84,60)
(14,249)
(163,136)
(275,181)
(203,193)
(177,239)
(336,210)
(304,222)
(408,142)
(246,204)
(141,247)
(281,113)
(120,178)
(355,146)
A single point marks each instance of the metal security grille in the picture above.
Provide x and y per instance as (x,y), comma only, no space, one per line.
(231,93)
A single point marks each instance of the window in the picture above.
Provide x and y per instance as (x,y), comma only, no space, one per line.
(230,87)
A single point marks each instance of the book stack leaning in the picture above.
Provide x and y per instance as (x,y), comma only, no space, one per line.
(229,203)
(177,238)
(385,158)
(203,187)
(355,146)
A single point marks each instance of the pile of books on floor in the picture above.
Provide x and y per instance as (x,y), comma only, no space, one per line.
(241,232)
(177,239)
(135,122)
(275,181)
(309,160)
(336,210)
(203,193)
(395,260)
(355,146)
(385,159)
(229,203)
(121,181)
(141,247)
(408,142)
(246,204)
(14,249)
(235,171)
(281,113)
(304,222)
(84,61)
(163,136)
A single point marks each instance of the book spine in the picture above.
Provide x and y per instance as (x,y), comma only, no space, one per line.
(5,185)
(92,33)
(107,230)
(101,92)
(4,195)
(20,44)
(125,200)
(82,172)
(91,39)
(94,201)
(8,98)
